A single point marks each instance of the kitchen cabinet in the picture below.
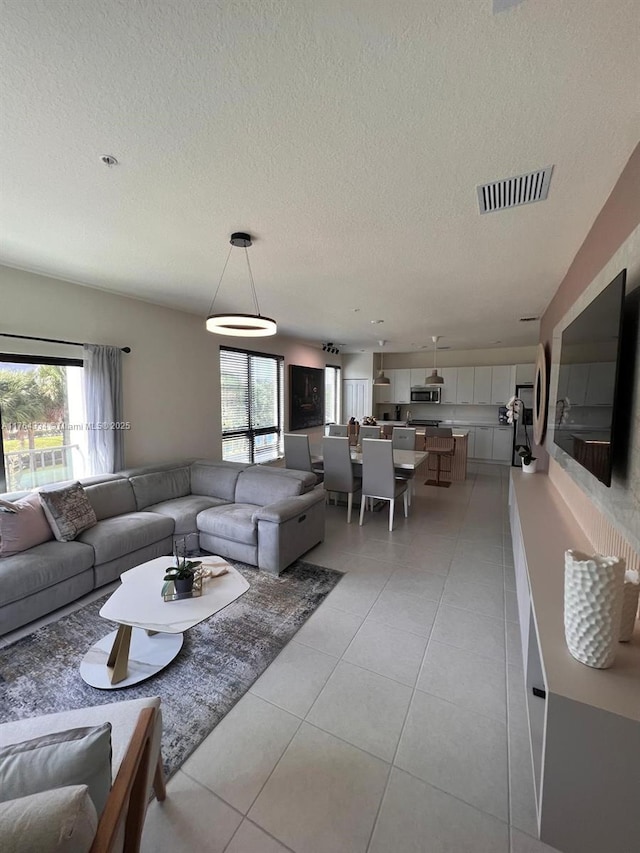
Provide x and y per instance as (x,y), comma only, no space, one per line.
(482,385)
(502,444)
(602,377)
(401,384)
(484,442)
(464,390)
(525,374)
(471,441)
(450,387)
(503,384)
(418,375)
(382,393)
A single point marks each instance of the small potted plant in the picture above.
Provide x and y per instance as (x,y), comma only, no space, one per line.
(182,574)
(515,407)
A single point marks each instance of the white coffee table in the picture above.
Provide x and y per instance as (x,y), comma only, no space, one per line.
(151,629)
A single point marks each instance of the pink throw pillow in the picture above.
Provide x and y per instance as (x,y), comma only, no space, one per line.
(24,528)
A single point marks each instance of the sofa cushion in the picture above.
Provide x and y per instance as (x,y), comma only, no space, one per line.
(260,486)
(230,521)
(183,511)
(158,486)
(122,534)
(40,567)
(216,479)
(68,511)
(80,756)
(111,498)
(23,525)
(61,820)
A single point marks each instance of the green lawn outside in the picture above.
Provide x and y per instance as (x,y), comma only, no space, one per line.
(42,442)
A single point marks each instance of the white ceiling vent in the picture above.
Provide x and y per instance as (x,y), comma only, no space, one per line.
(511,192)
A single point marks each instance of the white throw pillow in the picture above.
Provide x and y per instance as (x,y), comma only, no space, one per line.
(75,757)
(63,820)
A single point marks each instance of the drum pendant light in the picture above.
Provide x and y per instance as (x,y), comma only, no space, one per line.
(381,379)
(234,323)
(434,379)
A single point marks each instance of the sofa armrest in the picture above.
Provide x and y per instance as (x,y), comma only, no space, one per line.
(288,508)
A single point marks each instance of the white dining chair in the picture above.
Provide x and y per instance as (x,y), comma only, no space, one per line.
(378,477)
(370,432)
(338,470)
(297,454)
(404,438)
(340,430)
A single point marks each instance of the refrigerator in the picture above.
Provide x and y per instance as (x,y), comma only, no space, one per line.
(525,393)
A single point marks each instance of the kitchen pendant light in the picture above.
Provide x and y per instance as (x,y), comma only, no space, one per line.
(381,379)
(235,323)
(434,379)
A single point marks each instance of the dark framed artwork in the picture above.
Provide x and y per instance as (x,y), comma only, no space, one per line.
(306,395)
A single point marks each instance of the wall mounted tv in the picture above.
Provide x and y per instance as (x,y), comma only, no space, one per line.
(588,379)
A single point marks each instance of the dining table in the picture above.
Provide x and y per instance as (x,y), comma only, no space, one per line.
(403,460)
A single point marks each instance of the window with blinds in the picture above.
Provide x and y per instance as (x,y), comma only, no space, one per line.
(252,405)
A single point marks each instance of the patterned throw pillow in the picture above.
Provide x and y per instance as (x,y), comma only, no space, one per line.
(68,511)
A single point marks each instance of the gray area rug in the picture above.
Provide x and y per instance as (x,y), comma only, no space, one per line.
(219,660)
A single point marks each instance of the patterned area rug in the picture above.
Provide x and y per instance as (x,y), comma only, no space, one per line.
(219,660)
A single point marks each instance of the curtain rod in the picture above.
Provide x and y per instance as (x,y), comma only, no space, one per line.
(52,340)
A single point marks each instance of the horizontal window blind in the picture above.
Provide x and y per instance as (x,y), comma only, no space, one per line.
(252,405)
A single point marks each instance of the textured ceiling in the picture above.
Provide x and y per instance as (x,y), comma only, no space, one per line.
(347,135)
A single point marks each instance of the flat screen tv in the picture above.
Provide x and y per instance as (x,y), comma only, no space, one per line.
(588,379)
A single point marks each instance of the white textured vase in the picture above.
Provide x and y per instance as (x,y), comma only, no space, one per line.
(531,467)
(593,591)
(629,604)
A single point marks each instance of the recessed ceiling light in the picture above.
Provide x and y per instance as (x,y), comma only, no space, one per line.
(375,322)
(496,342)
(355,310)
(108,160)
(529,319)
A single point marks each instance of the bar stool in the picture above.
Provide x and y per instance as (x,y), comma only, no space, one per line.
(440,442)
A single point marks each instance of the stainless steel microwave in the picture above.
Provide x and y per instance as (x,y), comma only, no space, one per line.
(424,394)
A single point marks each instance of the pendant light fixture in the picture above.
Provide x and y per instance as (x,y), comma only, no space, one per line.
(381,379)
(234,323)
(434,379)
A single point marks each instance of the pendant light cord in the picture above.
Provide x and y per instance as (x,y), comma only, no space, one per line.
(253,287)
(215,295)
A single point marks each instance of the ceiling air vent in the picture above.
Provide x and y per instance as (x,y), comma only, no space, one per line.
(512,192)
(529,319)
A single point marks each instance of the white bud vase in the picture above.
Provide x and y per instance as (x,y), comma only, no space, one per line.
(531,467)
(629,604)
(593,590)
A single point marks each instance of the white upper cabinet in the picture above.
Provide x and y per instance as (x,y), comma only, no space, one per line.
(525,374)
(383,393)
(450,387)
(602,377)
(401,384)
(464,390)
(418,375)
(482,385)
(503,384)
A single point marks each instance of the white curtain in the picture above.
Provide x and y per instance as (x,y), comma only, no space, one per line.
(103,403)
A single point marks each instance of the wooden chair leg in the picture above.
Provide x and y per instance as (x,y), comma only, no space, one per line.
(392,504)
(349,506)
(159,787)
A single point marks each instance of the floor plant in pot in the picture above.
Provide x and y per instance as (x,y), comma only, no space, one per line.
(515,408)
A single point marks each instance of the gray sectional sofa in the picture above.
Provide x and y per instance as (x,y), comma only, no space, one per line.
(261,515)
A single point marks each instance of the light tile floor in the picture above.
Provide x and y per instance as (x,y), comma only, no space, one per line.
(394,721)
